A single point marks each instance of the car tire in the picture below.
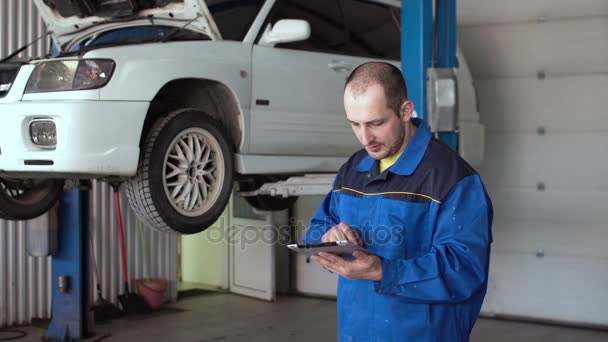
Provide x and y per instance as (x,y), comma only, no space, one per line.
(185,173)
(28,199)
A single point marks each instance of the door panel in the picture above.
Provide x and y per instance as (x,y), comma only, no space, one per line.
(305,108)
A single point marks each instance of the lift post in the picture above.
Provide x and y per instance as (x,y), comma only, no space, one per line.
(428,41)
(70,290)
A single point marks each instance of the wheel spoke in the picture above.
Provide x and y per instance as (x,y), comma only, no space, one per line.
(180,153)
(210,170)
(204,192)
(177,189)
(193,197)
(185,192)
(209,174)
(184,203)
(177,162)
(191,139)
(206,155)
(179,182)
(176,172)
(198,149)
(210,177)
(187,151)
(9,190)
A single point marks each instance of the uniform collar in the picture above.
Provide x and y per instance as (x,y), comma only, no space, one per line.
(410,158)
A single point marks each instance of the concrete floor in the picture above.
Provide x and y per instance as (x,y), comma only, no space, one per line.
(227,317)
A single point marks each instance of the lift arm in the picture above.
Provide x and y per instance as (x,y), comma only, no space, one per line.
(307,185)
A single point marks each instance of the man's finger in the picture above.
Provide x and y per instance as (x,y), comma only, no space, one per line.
(330,257)
(322,258)
(338,235)
(343,227)
(326,237)
(349,233)
(333,268)
(352,236)
(359,254)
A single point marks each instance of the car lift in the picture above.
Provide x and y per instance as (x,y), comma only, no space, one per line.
(429,44)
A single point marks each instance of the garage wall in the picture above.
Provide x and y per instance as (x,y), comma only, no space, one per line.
(541,73)
(19,25)
(24,281)
(204,256)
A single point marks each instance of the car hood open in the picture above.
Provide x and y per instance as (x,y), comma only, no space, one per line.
(68,19)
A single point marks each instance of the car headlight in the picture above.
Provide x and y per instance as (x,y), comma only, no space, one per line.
(70,75)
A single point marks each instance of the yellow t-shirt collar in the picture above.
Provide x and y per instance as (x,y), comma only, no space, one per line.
(388,162)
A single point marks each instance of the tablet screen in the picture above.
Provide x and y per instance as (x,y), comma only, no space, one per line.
(336,247)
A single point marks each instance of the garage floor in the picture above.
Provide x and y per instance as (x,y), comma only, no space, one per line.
(227,317)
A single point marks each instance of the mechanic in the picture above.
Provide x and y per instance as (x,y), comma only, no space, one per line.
(420,211)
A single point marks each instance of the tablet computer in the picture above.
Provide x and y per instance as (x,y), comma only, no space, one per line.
(336,247)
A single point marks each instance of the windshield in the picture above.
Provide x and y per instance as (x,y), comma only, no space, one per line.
(138,35)
(234,17)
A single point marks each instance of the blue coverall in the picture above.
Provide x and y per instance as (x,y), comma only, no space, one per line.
(428,217)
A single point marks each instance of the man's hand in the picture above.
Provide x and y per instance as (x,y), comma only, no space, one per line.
(341,232)
(364,266)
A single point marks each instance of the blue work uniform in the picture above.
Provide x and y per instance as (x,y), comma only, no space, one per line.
(428,218)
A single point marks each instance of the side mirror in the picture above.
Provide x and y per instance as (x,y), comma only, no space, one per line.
(286,31)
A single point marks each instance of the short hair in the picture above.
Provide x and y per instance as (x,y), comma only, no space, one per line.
(388,76)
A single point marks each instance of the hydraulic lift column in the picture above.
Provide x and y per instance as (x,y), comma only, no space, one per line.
(70,290)
(428,59)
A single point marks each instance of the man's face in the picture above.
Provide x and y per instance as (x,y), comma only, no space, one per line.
(379,129)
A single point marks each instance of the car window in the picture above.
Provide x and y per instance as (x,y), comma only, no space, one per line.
(326,23)
(347,27)
(374,29)
(138,35)
(234,17)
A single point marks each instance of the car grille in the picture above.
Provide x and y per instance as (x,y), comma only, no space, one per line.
(8,73)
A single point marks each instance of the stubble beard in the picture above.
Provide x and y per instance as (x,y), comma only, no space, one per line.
(394,148)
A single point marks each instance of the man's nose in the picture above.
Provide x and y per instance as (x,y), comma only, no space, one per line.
(366,136)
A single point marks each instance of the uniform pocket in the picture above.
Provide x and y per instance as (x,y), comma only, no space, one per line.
(402,229)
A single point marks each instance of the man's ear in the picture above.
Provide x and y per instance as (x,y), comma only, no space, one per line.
(406,110)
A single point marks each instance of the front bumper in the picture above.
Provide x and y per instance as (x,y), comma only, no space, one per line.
(94,138)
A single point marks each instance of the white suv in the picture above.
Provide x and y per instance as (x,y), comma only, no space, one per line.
(182,98)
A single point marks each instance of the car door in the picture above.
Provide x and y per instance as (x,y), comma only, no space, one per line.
(297,104)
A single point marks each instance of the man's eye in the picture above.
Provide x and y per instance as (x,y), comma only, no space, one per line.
(376,124)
